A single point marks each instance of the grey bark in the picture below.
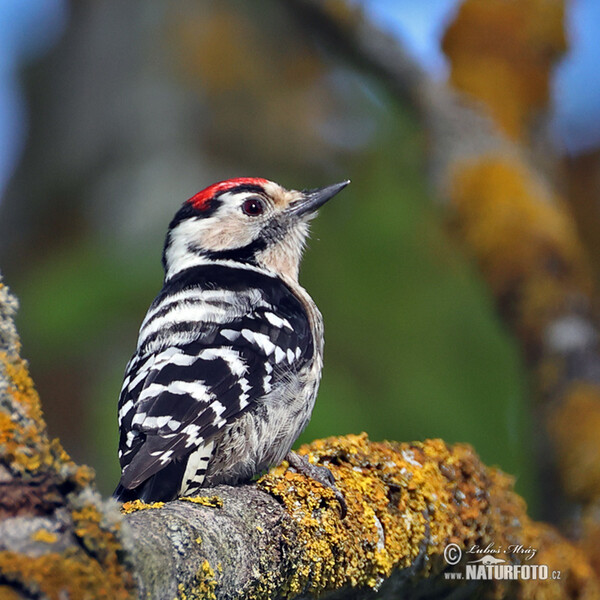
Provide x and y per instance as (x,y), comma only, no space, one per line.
(251,545)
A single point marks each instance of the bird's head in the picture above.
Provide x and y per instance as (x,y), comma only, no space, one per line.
(246,220)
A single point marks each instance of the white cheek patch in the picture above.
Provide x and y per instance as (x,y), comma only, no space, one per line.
(226,229)
(179,238)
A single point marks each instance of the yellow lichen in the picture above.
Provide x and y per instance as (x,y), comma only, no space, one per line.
(135,505)
(211,501)
(404,500)
(524,240)
(206,584)
(72,574)
(528,249)
(575,424)
(509,220)
(202,588)
(398,498)
(181,595)
(43,535)
(502,53)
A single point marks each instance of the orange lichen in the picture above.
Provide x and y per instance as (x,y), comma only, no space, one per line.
(8,593)
(528,250)
(81,475)
(211,501)
(102,543)
(510,220)
(525,242)
(24,445)
(570,574)
(71,574)
(46,479)
(502,53)
(17,374)
(575,425)
(590,540)
(135,505)
(406,500)
(523,237)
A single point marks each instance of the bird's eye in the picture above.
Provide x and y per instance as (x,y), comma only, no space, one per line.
(253,207)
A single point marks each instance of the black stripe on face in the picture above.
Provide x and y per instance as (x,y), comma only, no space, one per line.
(187,211)
(245,254)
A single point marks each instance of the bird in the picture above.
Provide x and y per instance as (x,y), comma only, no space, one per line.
(229,355)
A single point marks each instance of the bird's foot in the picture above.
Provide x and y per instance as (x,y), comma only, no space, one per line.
(321,474)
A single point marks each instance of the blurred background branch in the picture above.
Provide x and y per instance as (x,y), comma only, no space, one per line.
(505,204)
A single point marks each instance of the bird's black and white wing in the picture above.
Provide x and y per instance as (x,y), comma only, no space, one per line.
(203,360)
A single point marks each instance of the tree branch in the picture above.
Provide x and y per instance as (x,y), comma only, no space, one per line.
(57,536)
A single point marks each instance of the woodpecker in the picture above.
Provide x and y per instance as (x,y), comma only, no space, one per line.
(229,355)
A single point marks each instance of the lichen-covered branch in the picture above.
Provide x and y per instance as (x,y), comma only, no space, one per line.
(57,537)
(282,537)
(524,239)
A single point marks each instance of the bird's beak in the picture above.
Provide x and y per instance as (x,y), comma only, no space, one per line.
(314,199)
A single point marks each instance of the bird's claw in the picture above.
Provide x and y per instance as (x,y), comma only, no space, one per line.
(321,474)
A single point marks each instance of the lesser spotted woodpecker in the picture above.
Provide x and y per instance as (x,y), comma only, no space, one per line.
(229,355)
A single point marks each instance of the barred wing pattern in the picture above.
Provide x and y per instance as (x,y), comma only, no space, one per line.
(215,341)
